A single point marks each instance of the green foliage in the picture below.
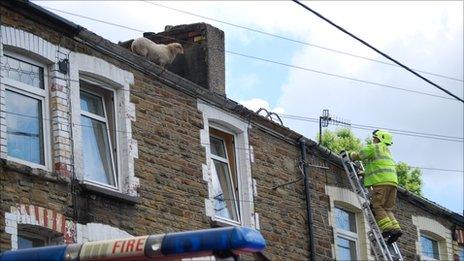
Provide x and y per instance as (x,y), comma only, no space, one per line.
(409,178)
(344,139)
(341,139)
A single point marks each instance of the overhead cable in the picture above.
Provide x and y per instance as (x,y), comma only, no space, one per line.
(370,127)
(268,60)
(378,51)
(146,133)
(294,40)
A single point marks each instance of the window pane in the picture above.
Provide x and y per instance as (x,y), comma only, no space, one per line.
(346,249)
(24,127)
(92,103)
(27,242)
(217,147)
(224,198)
(461,254)
(345,220)
(97,154)
(24,72)
(429,247)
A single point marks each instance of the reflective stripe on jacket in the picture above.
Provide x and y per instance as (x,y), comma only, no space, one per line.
(379,165)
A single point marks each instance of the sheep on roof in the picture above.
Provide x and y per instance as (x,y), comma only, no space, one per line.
(160,54)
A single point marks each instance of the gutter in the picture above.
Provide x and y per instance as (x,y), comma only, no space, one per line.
(39,14)
(308,200)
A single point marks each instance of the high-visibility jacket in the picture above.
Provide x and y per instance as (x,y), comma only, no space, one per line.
(379,166)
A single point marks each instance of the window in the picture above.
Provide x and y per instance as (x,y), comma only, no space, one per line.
(26,105)
(227,168)
(34,236)
(30,241)
(224,175)
(97,119)
(346,234)
(429,248)
(460,255)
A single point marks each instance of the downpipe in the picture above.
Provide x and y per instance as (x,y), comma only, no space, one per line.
(308,201)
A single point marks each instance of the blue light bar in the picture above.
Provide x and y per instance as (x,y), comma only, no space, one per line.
(219,239)
(52,253)
(168,246)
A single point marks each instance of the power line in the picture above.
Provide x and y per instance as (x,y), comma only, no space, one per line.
(293,40)
(289,116)
(268,60)
(370,127)
(378,51)
(147,132)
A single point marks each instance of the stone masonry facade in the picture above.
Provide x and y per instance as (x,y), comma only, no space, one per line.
(163,187)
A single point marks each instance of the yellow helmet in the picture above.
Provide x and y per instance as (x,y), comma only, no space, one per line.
(384,136)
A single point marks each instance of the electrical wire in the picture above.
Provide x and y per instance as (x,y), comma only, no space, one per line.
(378,51)
(293,40)
(370,127)
(146,133)
(268,60)
(289,116)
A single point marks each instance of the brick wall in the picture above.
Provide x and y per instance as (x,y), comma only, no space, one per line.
(172,191)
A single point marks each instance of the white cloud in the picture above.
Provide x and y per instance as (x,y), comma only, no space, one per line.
(424,40)
(256,104)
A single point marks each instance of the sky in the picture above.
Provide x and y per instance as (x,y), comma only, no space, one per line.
(426,36)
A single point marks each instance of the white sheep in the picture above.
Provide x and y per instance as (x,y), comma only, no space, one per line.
(160,54)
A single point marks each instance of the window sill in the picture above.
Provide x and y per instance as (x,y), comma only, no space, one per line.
(26,169)
(110,193)
(218,222)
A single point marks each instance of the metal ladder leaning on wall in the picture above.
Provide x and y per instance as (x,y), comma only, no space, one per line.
(382,250)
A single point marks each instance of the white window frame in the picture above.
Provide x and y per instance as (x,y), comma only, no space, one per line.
(212,156)
(216,118)
(436,231)
(346,199)
(36,93)
(108,76)
(346,234)
(116,172)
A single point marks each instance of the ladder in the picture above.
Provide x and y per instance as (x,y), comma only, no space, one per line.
(382,250)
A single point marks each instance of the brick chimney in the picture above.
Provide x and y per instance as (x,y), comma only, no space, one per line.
(203,61)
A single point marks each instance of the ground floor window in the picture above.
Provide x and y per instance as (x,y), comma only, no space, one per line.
(429,248)
(346,236)
(35,236)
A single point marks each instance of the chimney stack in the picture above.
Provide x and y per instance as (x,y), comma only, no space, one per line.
(203,61)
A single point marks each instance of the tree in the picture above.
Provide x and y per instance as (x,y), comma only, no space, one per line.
(409,178)
(341,139)
(344,139)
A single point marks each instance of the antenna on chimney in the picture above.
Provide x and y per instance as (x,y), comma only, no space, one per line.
(326,119)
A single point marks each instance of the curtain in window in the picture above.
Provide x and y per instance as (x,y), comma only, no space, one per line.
(97,158)
(224,204)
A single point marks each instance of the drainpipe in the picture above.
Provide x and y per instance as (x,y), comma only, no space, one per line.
(308,201)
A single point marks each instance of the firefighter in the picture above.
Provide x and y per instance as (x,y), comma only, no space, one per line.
(380,174)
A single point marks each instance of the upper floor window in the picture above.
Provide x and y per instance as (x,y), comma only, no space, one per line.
(98,134)
(346,234)
(26,115)
(231,188)
(224,177)
(429,248)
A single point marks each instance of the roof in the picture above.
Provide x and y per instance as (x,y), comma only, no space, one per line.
(122,54)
